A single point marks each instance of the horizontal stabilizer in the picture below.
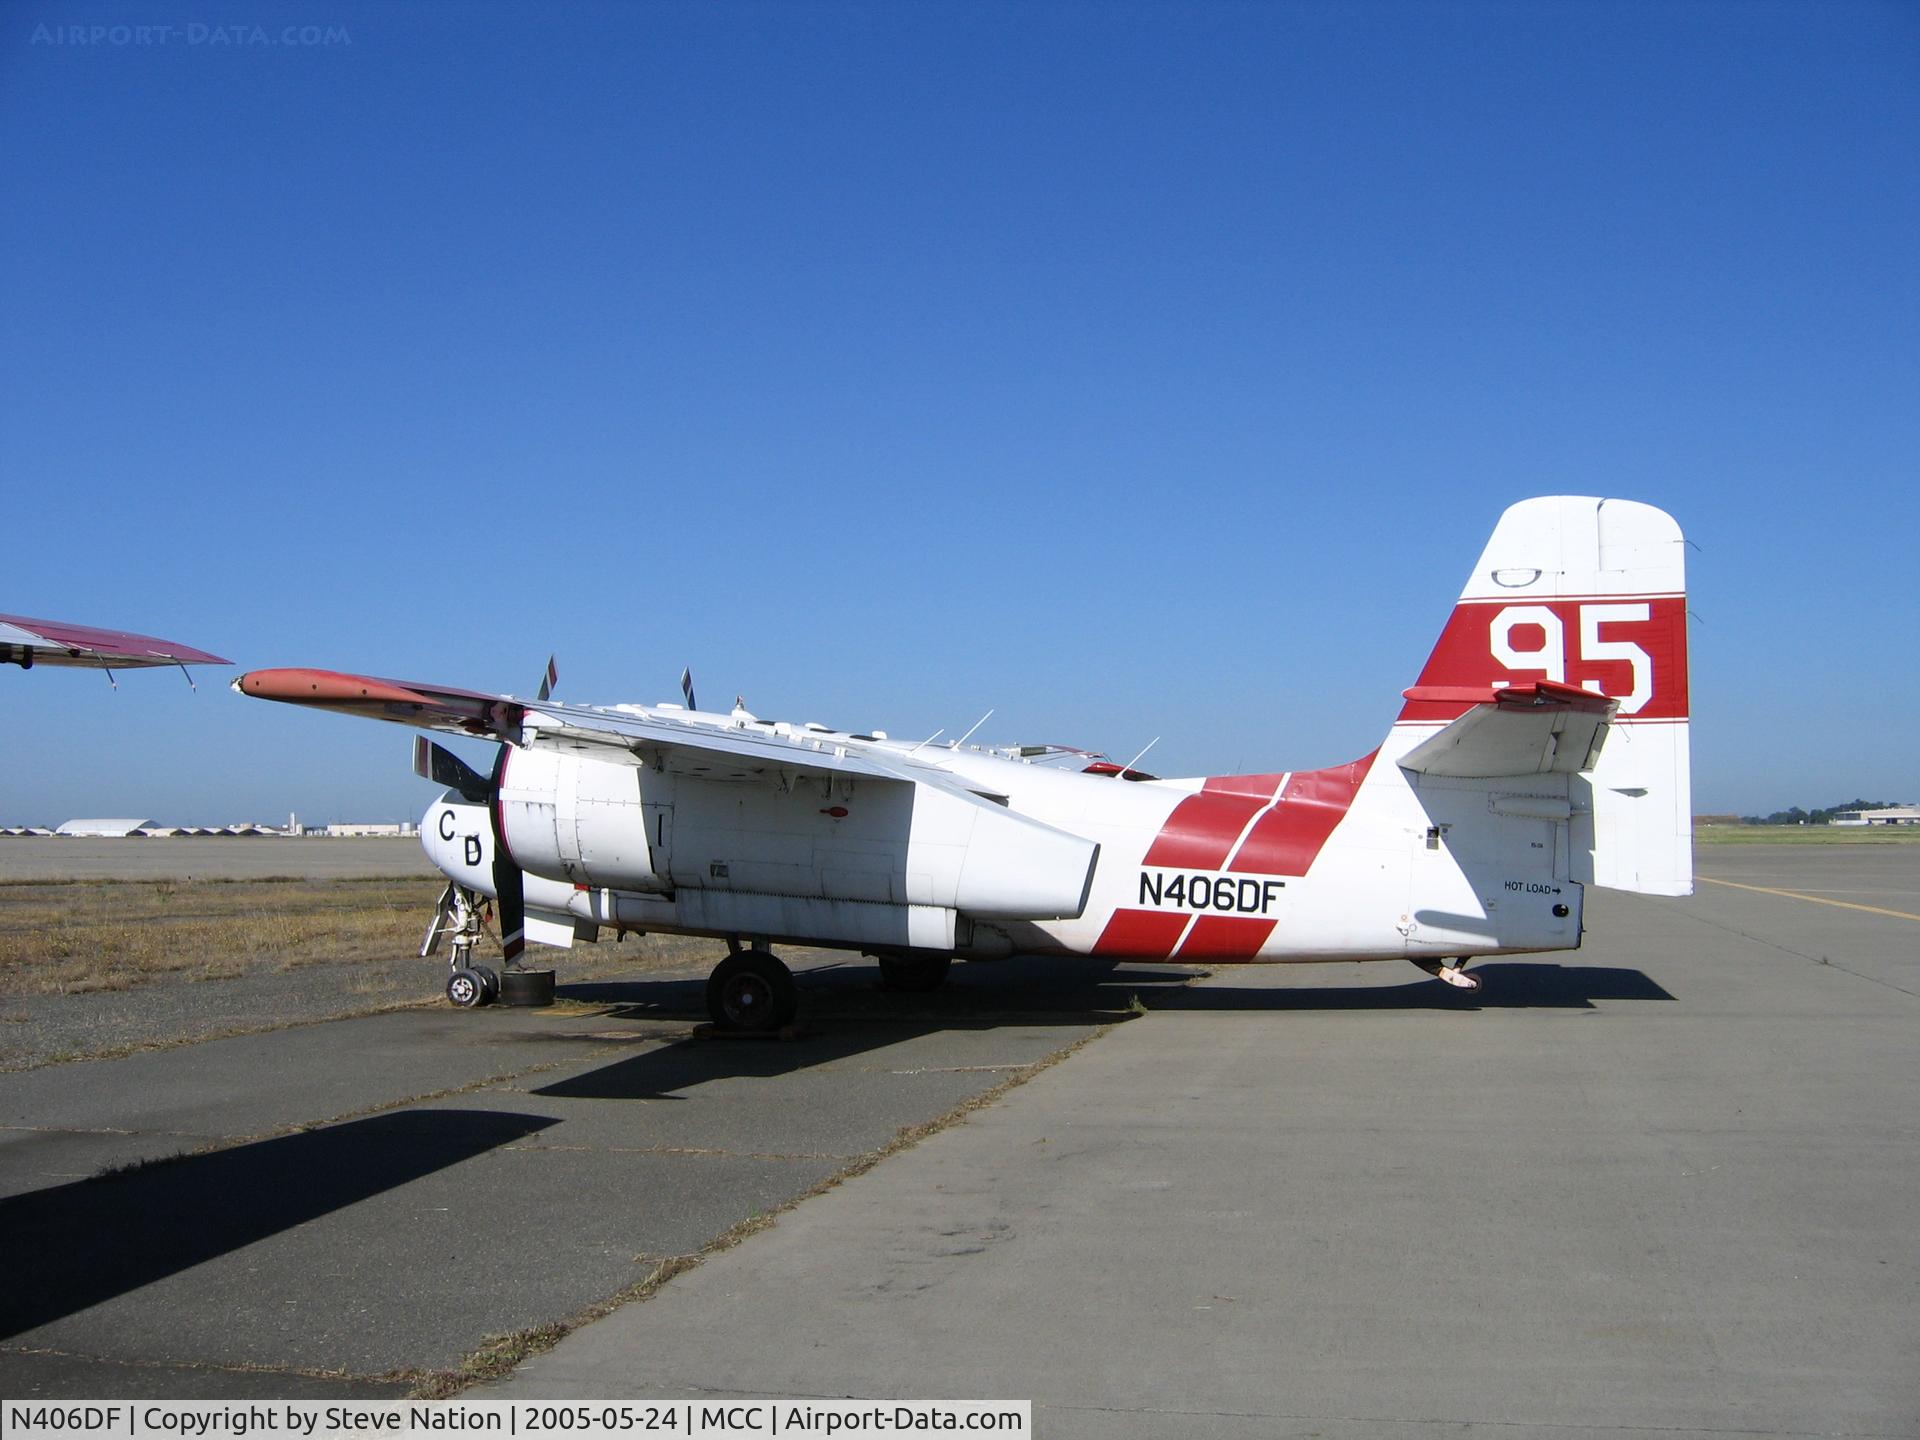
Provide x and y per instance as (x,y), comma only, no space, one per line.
(1540,728)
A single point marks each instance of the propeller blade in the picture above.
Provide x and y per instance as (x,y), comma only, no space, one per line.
(510,894)
(509,885)
(443,767)
(549,680)
(686,687)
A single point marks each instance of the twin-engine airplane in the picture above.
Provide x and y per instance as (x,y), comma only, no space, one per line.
(1543,749)
(27,642)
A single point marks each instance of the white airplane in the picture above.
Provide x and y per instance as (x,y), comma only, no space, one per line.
(27,642)
(1544,748)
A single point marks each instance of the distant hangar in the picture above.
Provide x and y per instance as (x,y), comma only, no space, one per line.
(1892,815)
(130,829)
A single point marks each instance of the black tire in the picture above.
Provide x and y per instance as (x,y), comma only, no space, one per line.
(491,980)
(914,974)
(526,988)
(466,989)
(752,991)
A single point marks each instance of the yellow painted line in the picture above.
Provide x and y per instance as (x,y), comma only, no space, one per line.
(1816,899)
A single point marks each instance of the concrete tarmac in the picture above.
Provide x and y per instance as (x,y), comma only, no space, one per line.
(1663,1188)
(1661,1185)
(340,1208)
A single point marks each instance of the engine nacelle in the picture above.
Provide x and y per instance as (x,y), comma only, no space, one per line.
(716,843)
(578,820)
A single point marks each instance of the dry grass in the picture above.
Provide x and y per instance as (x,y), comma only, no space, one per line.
(70,937)
(1806,834)
(110,935)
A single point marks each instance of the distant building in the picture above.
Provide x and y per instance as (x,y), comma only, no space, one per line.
(118,829)
(130,829)
(147,830)
(1895,815)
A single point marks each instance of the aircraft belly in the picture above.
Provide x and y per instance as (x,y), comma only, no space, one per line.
(792,919)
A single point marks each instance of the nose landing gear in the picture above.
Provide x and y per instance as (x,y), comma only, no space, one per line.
(458,916)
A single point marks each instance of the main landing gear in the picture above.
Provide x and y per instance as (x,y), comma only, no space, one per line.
(751,991)
(1454,975)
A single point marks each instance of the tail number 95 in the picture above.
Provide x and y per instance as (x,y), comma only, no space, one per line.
(1534,638)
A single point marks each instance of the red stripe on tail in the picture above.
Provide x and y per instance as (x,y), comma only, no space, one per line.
(1200,833)
(1289,837)
(1633,648)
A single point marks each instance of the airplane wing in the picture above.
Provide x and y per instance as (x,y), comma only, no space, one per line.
(1015,874)
(684,741)
(27,642)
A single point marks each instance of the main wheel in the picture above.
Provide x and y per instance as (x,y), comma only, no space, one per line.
(751,990)
(466,989)
(915,974)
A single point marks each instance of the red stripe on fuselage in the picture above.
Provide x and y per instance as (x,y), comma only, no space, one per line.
(1141,934)
(1201,831)
(1226,937)
(1289,837)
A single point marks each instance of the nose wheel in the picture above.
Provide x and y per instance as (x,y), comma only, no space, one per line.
(752,991)
(471,987)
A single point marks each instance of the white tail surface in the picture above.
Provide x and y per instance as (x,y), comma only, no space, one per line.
(1591,593)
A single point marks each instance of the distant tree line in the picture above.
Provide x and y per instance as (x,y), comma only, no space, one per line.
(1797,816)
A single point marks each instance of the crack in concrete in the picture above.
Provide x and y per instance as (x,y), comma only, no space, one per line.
(695,1150)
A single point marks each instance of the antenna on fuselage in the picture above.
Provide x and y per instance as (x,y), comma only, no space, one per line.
(930,739)
(971,728)
(1124,769)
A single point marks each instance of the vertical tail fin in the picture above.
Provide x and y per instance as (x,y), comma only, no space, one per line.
(1589,593)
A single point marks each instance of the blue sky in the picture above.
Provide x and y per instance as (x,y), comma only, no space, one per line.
(1136,369)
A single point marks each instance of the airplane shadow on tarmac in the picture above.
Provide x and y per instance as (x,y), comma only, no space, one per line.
(80,1244)
(1048,990)
(1026,987)
(846,1013)
(1504,985)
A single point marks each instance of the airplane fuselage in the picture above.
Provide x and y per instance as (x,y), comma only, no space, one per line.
(1360,861)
